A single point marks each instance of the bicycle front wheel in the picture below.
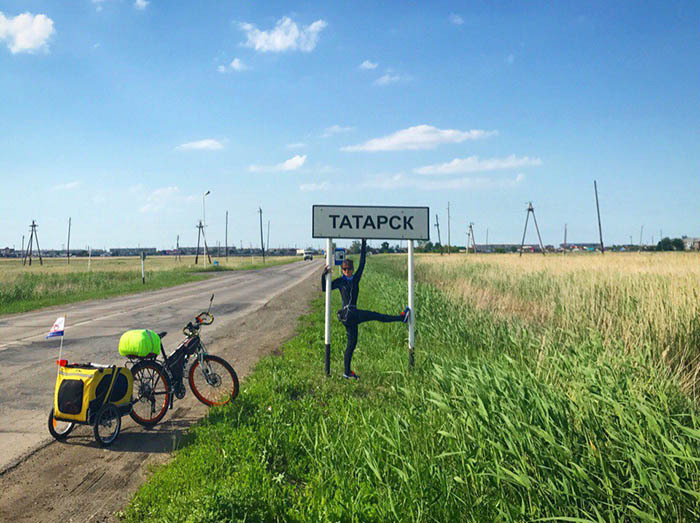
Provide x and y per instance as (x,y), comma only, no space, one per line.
(214,382)
(151,393)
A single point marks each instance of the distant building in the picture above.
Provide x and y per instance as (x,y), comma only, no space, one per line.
(691,244)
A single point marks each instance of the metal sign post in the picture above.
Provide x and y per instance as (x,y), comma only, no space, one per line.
(329,263)
(411,305)
(377,223)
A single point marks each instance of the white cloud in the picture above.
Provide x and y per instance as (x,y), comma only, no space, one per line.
(418,137)
(288,165)
(400,180)
(235,65)
(296,145)
(456,19)
(310,187)
(26,33)
(335,129)
(66,186)
(160,198)
(475,164)
(368,65)
(141,4)
(387,78)
(286,36)
(98,4)
(208,144)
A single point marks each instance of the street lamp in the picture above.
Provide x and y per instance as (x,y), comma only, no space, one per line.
(204,224)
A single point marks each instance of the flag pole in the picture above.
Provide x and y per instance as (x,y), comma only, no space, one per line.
(60,350)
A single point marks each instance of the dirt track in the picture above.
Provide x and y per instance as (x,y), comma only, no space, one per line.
(79,481)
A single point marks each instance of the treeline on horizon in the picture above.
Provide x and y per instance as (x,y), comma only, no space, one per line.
(666,244)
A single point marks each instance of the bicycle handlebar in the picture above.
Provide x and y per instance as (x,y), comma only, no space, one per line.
(203,318)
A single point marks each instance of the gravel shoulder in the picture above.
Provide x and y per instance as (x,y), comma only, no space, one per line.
(78,481)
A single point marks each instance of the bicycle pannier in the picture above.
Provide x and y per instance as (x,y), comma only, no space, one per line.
(139,342)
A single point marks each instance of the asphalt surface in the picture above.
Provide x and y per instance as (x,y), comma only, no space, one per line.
(27,358)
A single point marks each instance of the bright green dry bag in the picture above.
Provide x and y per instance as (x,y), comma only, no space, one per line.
(139,342)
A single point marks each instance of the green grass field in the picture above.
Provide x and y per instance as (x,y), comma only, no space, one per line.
(503,418)
(25,288)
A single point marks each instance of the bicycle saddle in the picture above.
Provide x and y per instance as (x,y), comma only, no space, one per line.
(161,335)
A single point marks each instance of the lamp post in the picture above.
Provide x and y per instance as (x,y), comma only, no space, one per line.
(204,224)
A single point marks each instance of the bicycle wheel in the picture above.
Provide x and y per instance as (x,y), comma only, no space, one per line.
(151,393)
(59,429)
(108,422)
(215,382)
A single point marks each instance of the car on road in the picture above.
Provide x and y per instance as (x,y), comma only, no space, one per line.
(308,255)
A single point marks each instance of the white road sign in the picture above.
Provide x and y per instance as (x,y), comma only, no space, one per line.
(377,223)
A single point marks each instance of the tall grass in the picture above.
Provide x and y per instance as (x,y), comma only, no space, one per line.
(631,301)
(498,421)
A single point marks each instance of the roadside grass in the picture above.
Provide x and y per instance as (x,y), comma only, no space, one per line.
(23,288)
(498,421)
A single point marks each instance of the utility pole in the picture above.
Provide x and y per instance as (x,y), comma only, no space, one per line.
(262,243)
(267,242)
(203,237)
(600,229)
(33,237)
(471,235)
(487,239)
(177,248)
(531,209)
(22,246)
(437,224)
(565,238)
(448,228)
(68,249)
(226,246)
(640,236)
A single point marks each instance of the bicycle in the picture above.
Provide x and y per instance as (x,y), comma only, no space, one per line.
(156,384)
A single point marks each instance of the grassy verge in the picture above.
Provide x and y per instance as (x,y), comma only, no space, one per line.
(25,291)
(496,422)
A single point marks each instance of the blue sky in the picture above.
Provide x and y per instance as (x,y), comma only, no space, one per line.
(121,114)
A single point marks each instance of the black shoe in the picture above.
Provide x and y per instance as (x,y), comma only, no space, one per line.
(406,314)
(351,376)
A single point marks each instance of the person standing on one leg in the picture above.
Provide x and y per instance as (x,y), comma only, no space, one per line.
(349,286)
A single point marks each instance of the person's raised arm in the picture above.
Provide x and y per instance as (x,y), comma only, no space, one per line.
(363,258)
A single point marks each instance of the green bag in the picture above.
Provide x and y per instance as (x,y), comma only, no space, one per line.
(139,342)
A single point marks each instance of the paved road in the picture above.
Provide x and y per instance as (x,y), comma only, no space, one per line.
(27,359)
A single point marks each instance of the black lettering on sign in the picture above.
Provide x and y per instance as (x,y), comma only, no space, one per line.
(335,217)
(345,223)
(381,220)
(407,222)
(391,222)
(357,220)
(368,223)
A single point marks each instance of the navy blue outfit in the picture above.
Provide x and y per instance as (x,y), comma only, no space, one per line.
(349,290)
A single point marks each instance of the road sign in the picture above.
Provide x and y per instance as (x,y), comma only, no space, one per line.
(376,223)
(339,256)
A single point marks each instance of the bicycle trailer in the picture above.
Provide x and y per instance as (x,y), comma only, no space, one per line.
(91,394)
(81,390)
